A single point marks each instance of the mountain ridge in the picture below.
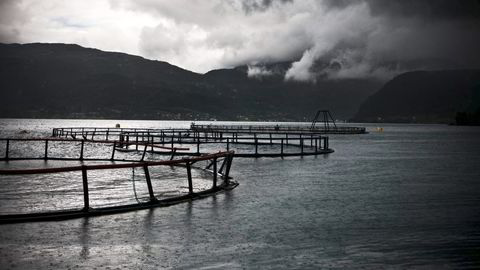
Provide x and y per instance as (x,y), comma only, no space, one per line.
(423,97)
(69,81)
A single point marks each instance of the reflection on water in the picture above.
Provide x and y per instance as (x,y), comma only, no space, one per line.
(84,239)
(407,197)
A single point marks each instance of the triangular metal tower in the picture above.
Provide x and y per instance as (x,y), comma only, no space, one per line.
(327,118)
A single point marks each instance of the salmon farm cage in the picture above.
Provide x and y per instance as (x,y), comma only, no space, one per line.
(247,143)
(56,178)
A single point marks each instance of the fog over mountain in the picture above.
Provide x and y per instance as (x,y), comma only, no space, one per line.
(322,39)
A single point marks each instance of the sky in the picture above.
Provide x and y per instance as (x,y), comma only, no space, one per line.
(336,39)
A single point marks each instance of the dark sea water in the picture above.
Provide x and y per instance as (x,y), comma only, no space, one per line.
(407,197)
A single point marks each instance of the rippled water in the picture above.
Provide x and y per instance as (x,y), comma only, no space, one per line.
(408,197)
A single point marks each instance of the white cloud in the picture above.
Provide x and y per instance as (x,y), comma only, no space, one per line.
(336,39)
(258,72)
(88,23)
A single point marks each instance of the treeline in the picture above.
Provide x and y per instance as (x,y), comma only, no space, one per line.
(468,118)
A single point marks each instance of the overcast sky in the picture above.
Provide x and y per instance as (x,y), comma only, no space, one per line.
(334,38)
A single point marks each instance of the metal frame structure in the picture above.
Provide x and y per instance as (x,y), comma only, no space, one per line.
(292,143)
(327,118)
(218,172)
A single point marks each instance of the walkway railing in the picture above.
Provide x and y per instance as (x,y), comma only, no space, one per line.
(265,143)
(83,142)
(94,132)
(281,128)
(261,144)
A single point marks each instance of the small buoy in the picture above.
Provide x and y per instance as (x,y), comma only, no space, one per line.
(117,125)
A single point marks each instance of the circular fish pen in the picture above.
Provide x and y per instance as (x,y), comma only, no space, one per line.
(81,172)
(58,178)
(245,142)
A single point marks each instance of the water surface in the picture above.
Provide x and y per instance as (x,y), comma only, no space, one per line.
(407,197)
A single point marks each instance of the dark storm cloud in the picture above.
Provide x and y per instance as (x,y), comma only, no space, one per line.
(333,38)
(428,9)
(403,35)
(260,5)
(330,38)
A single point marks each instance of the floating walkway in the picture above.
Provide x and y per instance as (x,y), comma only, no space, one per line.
(322,123)
(304,129)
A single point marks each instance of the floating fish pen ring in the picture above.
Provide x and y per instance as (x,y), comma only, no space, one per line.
(260,143)
(221,180)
